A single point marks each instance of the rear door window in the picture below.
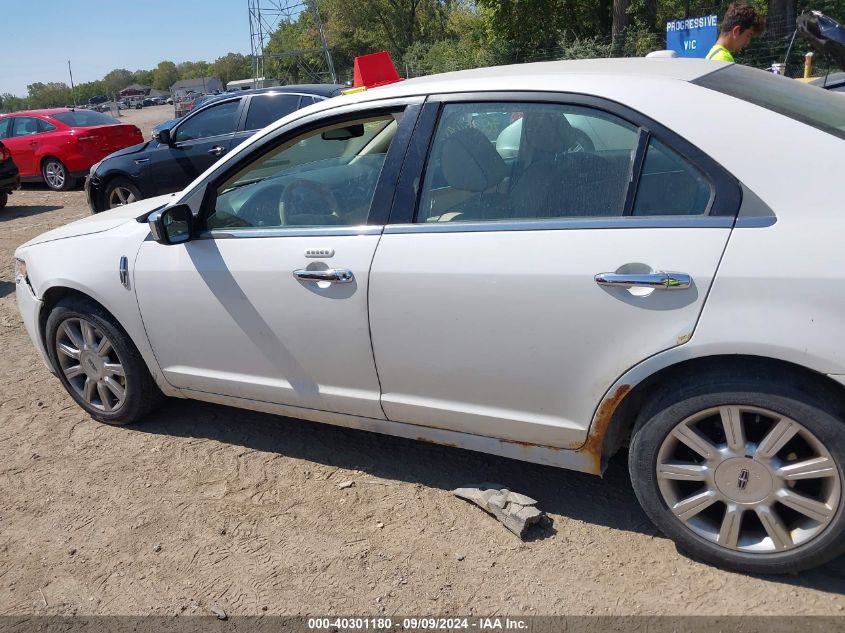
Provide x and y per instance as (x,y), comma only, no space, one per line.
(24,126)
(265,109)
(5,125)
(669,185)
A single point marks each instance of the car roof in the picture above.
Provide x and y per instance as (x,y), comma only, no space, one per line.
(539,76)
(830,80)
(44,112)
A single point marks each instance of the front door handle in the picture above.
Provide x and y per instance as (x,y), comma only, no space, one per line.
(217,150)
(659,280)
(332,275)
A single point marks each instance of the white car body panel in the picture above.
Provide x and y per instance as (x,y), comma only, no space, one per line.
(509,333)
(265,335)
(777,292)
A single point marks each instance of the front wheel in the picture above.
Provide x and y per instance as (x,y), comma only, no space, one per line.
(744,474)
(98,364)
(120,192)
(56,175)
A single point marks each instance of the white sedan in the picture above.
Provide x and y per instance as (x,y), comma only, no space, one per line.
(548,262)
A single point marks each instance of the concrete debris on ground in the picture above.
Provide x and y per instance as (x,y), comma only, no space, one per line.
(515,511)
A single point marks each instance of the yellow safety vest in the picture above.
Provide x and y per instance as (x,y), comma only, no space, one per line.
(720,54)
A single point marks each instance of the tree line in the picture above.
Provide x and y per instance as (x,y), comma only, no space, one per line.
(429,36)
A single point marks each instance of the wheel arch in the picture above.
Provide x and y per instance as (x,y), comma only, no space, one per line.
(617,414)
(52,296)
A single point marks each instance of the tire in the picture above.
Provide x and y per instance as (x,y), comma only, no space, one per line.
(119,192)
(4,199)
(737,509)
(56,175)
(66,329)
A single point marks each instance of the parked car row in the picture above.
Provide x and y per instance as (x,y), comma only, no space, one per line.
(58,146)
(544,262)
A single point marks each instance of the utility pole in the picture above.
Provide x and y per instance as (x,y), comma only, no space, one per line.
(72,95)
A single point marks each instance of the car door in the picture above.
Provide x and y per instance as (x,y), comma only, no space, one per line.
(196,144)
(23,142)
(501,296)
(269,302)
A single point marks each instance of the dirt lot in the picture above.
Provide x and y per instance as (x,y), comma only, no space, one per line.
(204,505)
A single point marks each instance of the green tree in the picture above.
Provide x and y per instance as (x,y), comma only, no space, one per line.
(165,75)
(231,67)
(117,80)
(143,77)
(193,70)
(49,95)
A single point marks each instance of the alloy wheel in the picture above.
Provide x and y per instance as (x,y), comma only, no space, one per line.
(120,196)
(748,479)
(91,365)
(54,174)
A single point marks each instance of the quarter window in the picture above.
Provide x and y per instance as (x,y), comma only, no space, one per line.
(526,161)
(326,177)
(213,121)
(669,185)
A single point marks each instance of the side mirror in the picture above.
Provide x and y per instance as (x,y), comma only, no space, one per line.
(173,225)
(344,133)
(163,136)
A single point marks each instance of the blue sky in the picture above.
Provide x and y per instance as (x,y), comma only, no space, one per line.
(39,36)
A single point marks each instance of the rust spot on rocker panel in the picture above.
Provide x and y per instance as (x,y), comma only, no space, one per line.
(604,415)
(428,441)
(528,444)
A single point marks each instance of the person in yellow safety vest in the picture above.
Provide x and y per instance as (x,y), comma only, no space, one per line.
(740,24)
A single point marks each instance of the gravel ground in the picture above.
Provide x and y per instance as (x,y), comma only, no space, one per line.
(204,506)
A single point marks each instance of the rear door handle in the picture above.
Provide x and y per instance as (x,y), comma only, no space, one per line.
(659,280)
(332,275)
(217,150)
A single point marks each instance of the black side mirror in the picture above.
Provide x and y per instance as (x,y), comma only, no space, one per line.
(172,225)
(163,136)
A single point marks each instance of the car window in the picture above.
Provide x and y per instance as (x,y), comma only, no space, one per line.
(24,126)
(5,125)
(326,177)
(526,161)
(213,121)
(669,185)
(264,109)
(818,108)
(84,118)
(43,126)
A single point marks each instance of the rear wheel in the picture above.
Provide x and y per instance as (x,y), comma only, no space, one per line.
(4,199)
(98,364)
(120,192)
(56,175)
(745,474)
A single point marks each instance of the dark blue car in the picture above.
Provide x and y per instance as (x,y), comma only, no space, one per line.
(181,149)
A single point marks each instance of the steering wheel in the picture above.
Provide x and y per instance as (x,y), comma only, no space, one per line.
(306,202)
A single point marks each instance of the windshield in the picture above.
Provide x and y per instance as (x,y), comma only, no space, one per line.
(808,104)
(84,118)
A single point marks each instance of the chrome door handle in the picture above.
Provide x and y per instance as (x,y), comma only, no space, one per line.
(659,281)
(332,275)
(217,150)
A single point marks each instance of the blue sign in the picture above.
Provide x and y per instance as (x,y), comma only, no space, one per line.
(693,37)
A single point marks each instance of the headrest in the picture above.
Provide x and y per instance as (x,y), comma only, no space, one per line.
(470,162)
(547,131)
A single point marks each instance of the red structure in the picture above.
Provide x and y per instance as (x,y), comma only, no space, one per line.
(375,69)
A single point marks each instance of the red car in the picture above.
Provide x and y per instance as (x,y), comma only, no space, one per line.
(60,145)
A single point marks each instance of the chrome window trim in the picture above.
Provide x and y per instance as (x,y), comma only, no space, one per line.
(620,222)
(319,231)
